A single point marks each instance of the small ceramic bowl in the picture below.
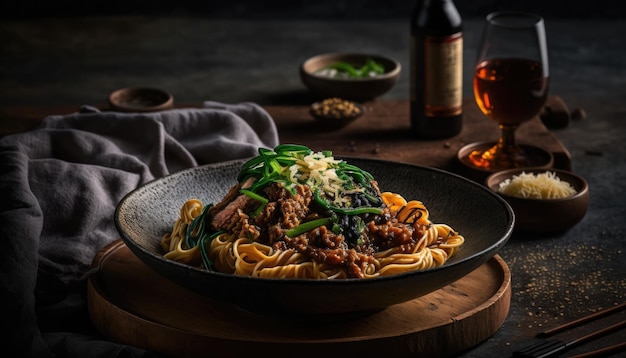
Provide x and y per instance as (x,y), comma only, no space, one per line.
(355,89)
(140,99)
(335,113)
(545,215)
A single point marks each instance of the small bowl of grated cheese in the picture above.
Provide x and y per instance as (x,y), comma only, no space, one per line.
(543,200)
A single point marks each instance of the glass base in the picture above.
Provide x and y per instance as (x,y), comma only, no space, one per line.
(480,160)
(497,158)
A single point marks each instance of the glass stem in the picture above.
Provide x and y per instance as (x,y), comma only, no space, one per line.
(507,142)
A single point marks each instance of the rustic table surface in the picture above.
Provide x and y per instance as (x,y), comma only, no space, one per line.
(52,66)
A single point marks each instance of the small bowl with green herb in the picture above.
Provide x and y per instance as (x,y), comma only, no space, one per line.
(351,76)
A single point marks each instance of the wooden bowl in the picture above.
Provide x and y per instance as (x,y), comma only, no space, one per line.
(545,215)
(140,99)
(484,218)
(355,89)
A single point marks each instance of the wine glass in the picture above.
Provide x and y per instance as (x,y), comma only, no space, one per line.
(510,84)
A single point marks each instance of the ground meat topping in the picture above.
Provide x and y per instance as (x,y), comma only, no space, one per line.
(285,211)
(392,234)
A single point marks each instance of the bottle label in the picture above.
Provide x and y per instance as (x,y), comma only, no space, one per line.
(443,77)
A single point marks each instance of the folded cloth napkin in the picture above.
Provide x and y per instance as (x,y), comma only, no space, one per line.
(59,186)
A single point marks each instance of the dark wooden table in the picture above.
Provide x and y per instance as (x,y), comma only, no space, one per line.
(384,132)
(53,65)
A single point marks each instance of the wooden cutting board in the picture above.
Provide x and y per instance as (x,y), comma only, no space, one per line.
(131,304)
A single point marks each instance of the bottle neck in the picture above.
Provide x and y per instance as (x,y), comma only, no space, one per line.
(437,18)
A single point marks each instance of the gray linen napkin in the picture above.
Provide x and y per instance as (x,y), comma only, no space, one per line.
(59,186)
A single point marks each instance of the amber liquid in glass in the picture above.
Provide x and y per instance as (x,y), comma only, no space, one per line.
(510,91)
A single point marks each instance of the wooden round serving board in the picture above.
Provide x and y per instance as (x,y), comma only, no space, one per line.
(132,304)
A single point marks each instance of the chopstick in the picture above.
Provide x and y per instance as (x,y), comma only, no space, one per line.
(546,348)
(602,351)
(581,320)
(596,334)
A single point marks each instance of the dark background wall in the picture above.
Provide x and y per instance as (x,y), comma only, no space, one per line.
(343,9)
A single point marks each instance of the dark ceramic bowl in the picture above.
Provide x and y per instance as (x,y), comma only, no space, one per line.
(140,99)
(481,216)
(545,215)
(354,89)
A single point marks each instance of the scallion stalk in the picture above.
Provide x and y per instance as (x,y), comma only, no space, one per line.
(307,226)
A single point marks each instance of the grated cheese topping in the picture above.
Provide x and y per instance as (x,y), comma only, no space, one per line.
(536,186)
(316,170)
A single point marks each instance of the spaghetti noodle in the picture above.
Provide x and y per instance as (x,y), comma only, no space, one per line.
(296,213)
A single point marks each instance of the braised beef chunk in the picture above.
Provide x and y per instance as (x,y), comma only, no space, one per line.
(232,194)
(226,218)
(223,214)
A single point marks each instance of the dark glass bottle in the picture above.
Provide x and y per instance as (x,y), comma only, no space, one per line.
(436,70)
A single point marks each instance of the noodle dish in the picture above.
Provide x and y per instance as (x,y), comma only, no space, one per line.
(305,235)
(296,213)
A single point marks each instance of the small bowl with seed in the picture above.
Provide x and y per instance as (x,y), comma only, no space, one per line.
(547,201)
(335,113)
